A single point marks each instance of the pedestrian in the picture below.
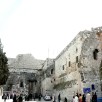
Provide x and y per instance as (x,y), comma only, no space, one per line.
(39,97)
(80,98)
(73,99)
(88,97)
(83,98)
(20,99)
(95,97)
(5,97)
(11,96)
(26,97)
(14,98)
(93,100)
(53,98)
(59,98)
(76,98)
(65,99)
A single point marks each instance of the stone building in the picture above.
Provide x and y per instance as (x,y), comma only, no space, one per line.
(47,79)
(24,74)
(78,68)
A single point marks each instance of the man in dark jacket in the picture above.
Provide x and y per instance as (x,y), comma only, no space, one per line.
(20,99)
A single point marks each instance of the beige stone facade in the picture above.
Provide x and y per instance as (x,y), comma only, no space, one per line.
(47,81)
(24,74)
(78,66)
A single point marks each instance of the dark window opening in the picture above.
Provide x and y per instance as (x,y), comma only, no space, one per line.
(51,71)
(76,50)
(63,67)
(69,63)
(82,76)
(54,79)
(93,87)
(21,84)
(77,59)
(95,52)
(51,81)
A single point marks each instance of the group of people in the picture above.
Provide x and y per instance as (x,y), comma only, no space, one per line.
(14,97)
(20,98)
(34,96)
(85,97)
(79,98)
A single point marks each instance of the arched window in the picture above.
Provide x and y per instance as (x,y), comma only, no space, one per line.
(95,52)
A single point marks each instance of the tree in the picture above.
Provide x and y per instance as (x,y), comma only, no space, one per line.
(4,72)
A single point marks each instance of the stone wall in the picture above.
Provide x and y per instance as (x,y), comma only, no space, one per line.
(47,77)
(24,69)
(76,62)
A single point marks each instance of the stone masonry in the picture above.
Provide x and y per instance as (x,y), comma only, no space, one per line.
(79,65)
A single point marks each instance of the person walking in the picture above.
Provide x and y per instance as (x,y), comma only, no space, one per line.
(83,98)
(76,98)
(80,98)
(5,97)
(53,98)
(65,99)
(59,98)
(73,99)
(88,97)
(20,99)
(14,98)
(95,97)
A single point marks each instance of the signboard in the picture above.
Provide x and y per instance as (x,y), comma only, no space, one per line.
(86,90)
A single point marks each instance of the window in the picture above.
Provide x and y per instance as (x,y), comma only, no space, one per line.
(93,87)
(51,71)
(63,67)
(77,59)
(95,52)
(69,63)
(76,50)
(54,79)
(21,84)
(82,76)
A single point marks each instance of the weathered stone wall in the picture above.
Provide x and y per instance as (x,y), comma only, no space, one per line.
(68,73)
(83,71)
(90,66)
(47,77)
(24,68)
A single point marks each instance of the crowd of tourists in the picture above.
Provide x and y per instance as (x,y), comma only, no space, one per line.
(14,97)
(85,97)
(20,98)
(79,98)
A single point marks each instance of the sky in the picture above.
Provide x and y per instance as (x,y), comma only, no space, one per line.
(45,27)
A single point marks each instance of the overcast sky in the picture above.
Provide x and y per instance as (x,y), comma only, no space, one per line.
(34,26)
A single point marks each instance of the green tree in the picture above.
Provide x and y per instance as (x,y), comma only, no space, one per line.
(4,72)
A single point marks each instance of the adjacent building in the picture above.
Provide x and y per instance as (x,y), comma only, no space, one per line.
(24,74)
(47,77)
